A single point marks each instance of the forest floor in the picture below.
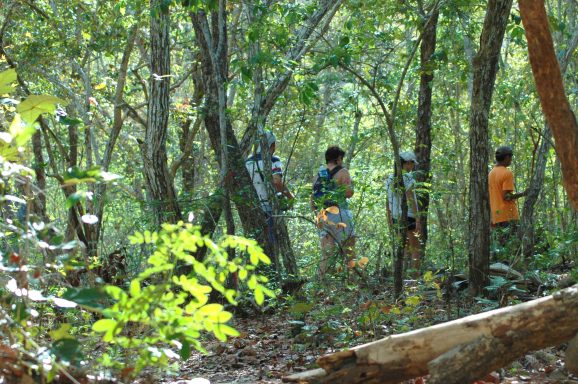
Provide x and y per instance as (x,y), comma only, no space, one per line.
(279,341)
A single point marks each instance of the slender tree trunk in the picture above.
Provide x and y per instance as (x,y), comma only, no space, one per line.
(354,138)
(526,228)
(238,183)
(160,183)
(550,86)
(423,133)
(188,163)
(485,68)
(39,202)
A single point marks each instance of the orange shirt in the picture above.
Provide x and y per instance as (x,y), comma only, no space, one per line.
(501,179)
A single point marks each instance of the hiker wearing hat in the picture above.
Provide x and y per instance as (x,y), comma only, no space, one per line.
(256,167)
(394,209)
(504,211)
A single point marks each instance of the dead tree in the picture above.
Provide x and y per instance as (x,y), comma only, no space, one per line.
(459,351)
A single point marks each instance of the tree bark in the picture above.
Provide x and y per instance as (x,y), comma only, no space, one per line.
(526,228)
(485,68)
(550,86)
(237,180)
(517,329)
(423,140)
(160,183)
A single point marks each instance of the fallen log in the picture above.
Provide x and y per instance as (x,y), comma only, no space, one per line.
(537,324)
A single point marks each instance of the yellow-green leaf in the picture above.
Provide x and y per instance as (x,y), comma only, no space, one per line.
(104,325)
(7,77)
(135,288)
(61,333)
(211,309)
(259,297)
(35,105)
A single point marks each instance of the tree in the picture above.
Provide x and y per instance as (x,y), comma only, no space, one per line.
(485,67)
(423,141)
(550,85)
(159,181)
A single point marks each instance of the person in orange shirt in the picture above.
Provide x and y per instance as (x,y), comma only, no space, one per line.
(504,211)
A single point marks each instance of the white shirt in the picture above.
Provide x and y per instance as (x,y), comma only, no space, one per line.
(394,199)
(255,165)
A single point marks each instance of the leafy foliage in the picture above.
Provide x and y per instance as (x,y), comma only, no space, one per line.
(173,310)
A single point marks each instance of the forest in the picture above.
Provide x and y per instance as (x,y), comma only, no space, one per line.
(419,223)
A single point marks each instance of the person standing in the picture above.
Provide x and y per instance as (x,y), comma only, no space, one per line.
(394,208)
(331,189)
(504,210)
(256,167)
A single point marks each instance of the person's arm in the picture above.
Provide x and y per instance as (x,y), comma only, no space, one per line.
(277,169)
(508,187)
(510,195)
(411,199)
(343,178)
(410,195)
(280,187)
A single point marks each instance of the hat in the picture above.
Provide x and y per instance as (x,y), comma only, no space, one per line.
(271,139)
(504,150)
(409,156)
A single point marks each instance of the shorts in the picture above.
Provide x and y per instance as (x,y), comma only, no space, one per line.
(410,223)
(339,226)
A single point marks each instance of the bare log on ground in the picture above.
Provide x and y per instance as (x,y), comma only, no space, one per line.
(510,332)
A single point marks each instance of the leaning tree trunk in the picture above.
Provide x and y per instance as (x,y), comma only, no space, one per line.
(238,181)
(457,351)
(550,86)
(423,131)
(159,181)
(485,68)
(526,229)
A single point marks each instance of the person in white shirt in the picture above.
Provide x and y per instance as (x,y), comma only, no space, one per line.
(394,209)
(256,167)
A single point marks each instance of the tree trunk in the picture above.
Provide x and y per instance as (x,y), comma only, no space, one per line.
(188,162)
(160,183)
(39,202)
(423,131)
(517,330)
(526,228)
(485,69)
(550,86)
(238,181)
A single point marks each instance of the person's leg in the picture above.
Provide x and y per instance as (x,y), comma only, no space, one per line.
(414,250)
(327,248)
(349,250)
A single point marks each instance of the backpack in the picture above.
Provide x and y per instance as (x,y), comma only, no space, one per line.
(324,185)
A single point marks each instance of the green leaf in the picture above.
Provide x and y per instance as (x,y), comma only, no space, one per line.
(20,132)
(300,308)
(7,77)
(259,297)
(104,325)
(90,297)
(135,288)
(66,349)
(35,105)
(227,330)
(211,309)
(185,351)
(61,333)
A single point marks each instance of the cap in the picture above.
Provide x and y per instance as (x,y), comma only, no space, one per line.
(408,156)
(504,150)
(271,139)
